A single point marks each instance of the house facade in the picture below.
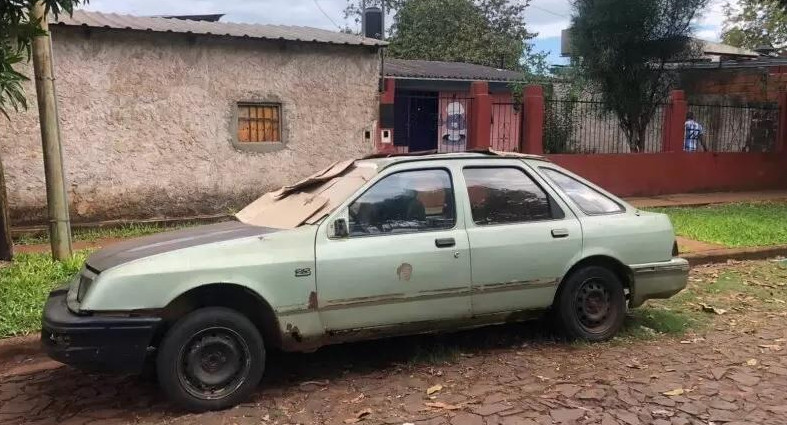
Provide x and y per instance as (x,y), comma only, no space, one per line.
(433,103)
(173,117)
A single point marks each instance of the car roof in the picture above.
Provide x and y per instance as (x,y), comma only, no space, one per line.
(382,161)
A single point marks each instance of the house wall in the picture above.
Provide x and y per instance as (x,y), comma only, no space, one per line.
(147,121)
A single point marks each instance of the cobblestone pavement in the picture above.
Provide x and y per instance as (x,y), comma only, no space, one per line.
(734,372)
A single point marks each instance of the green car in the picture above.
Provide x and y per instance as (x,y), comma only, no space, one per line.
(363,249)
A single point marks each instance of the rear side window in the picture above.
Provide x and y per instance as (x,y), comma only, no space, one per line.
(506,195)
(405,202)
(589,200)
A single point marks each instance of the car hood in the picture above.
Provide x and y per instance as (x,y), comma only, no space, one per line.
(134,249)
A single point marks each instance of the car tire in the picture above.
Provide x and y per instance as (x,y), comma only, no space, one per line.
(211,359)
(591,304)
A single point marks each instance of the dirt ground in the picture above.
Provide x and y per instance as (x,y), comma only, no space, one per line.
(732,370)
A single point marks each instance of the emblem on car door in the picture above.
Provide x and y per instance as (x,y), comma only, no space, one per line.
(303,272)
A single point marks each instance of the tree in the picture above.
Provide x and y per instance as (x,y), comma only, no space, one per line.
(484,32)
(756,23)
(17,30)
(626,49)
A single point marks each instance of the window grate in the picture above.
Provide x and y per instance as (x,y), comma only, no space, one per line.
(259,122)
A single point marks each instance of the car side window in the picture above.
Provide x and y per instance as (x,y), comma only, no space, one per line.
(589,200)
(405,202)
(500,195)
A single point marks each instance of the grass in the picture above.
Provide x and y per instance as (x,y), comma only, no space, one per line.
(24,286)
(732,225)
(96,233)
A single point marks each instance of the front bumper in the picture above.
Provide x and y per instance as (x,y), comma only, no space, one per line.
(658,280)
(95,342)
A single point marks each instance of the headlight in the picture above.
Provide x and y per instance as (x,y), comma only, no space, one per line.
(84,285)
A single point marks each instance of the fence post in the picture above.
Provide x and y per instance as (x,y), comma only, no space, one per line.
(781,130)
(480,136)
(385,120)
(533,120)
(674,119)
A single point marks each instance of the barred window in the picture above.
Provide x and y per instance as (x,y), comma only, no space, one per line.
(259,122)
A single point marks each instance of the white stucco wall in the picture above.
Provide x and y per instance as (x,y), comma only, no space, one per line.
(146,121)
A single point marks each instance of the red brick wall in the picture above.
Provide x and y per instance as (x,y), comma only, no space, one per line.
(741,85)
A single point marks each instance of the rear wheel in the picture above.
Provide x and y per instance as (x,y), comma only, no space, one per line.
(212,358)
(591,304)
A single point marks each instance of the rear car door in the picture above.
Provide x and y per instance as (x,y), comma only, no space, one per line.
(406,260)
(522,237)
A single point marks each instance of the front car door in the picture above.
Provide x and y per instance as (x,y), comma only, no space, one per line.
(406,260)
(522,238)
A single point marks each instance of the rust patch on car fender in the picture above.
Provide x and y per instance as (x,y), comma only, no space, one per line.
(404,271)
(313,301)
(294,332)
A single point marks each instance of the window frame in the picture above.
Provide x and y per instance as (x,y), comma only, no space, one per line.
(554,206)
(410,170)
(260,147)
(621,208)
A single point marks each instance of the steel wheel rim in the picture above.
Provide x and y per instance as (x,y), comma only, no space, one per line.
(593,306)
(213,363)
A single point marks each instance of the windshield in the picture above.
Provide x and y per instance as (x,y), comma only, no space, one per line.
(310,199)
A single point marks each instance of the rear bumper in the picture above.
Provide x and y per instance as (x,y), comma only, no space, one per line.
(658,280)
(95,342)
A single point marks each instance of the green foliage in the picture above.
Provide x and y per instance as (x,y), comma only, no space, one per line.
(734,225)
(17,30)
(24,287)
(624,47)
(756,23)
(484,32)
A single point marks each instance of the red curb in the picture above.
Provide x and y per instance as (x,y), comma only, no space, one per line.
(28,345)
(722,255)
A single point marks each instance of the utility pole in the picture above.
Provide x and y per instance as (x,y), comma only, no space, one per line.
(56,199)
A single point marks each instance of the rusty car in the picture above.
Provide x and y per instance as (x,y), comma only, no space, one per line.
(367,248)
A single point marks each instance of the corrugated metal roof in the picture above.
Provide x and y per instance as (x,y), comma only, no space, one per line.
(231,29)
(401,68)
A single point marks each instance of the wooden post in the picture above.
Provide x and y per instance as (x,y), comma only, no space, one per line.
(57,202)
(6,245)
(533,120)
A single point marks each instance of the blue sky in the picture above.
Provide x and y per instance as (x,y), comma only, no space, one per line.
(547,17)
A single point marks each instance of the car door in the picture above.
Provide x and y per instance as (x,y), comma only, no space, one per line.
(522,239)
(406,259)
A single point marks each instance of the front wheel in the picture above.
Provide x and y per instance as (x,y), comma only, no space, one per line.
(211,359)
(591,305)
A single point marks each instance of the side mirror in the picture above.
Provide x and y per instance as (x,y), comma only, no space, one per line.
(340,228)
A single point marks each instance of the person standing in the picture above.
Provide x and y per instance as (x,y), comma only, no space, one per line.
(694,134)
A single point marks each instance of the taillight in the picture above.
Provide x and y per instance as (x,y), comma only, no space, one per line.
(675,250)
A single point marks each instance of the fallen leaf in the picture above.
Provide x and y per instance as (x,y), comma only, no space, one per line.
(711,309)
(321,383)
(359,416)
(543,378)
(773,347)
(433,389)
(751,362)
(675,392)
(441,405)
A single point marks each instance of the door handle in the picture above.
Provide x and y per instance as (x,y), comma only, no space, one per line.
(444,242)
(559,233)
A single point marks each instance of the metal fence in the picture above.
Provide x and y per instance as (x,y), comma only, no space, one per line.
(506,126)
(737,128)
(583,127)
